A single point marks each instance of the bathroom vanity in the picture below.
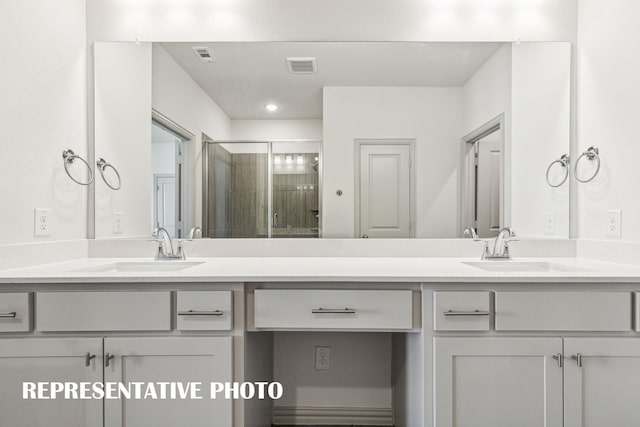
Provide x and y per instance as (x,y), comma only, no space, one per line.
(413,341)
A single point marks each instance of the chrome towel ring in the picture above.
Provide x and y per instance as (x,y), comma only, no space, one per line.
(69,157)
(102,165)
(592,154)
(564,162)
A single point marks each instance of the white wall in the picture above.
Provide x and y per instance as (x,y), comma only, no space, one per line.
(430,116)
(487,94)
(123,136)
(42,112)
(608,112)
(300,20)
(540,133)
(179,98)
(262,130)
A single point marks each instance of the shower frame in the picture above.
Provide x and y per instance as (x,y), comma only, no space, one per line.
(208,142)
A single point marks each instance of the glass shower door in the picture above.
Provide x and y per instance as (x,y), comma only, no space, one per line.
(261,189)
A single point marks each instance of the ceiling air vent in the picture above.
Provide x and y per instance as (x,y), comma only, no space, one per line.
(204,53)
(302,65)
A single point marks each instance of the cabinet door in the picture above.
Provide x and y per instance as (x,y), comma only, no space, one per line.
(169,359)
(49,360)
(603,391)
(497,382)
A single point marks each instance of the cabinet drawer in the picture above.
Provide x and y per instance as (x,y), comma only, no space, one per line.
(563,311)
(204,311)
(15,312)
(333,309)
(461,311)
(103,311)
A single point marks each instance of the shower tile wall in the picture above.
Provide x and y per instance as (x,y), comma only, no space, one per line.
(237,194)
(295,197)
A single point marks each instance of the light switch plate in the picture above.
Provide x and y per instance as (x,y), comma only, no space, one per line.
(614,223)
(41,226)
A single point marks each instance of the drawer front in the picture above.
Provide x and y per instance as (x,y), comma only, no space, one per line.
(563,311)
(103,311)
(204,311)
(461,311)
(333,309)
(15,312)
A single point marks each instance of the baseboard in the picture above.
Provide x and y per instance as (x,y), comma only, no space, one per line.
(295,415)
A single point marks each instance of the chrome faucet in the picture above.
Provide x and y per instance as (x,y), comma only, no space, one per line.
(165,246)
(500,250)
(195,233)
(502,243)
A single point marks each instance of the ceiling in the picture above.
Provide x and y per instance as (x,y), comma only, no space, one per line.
(244,77)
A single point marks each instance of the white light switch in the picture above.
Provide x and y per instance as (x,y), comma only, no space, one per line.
(41,222)
(614,223)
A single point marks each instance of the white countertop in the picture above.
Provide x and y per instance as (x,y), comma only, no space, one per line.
(323,269)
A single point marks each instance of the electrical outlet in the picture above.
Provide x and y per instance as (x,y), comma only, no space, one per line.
(117,223)
(549,224)
(41,222)
(323,358)
(614,223)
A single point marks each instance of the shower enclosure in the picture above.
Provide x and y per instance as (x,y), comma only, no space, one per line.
(261,189)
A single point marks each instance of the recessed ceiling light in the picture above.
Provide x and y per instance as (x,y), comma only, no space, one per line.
(271,107)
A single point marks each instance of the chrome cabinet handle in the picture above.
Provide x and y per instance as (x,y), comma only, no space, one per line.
(321,310)
(578,358)
(88,358)
(107,359)
(10,315)
(201,313)
(466,313)
(558,357)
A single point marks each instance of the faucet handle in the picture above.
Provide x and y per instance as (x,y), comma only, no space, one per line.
(180,252)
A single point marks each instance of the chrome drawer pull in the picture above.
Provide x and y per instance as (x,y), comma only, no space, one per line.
(11,315)
(321,310)
(466,313)
(201,313)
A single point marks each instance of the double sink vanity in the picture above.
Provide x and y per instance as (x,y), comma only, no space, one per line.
(415,341)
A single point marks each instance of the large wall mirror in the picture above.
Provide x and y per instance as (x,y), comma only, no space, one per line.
(331,139)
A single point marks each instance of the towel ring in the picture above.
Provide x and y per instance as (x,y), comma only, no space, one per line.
(102,165)
(591,154)
(564,162)
(69,157)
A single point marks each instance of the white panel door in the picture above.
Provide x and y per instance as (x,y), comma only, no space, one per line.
(169,359)
(49,360)
(497,382)
(165,202)
(488,187)
(603,391)
(385,190)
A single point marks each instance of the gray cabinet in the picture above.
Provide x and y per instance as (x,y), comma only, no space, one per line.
(49,360)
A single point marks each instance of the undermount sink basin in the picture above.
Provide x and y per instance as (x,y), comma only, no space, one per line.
(140,267)
(522,267)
